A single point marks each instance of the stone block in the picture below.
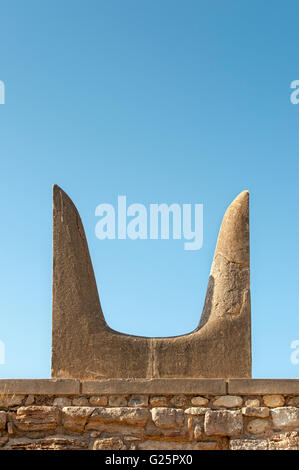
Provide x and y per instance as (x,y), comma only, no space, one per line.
(98,400)
(248,444)
(258,426)
(132,416)
(74,418)
(223,423)
(138,400)
(258,412)
(274,400)
(285,417)
(199,401)
(228,401)
(39,387)
(37,418)
(263,386)
(167,417)
(109,443)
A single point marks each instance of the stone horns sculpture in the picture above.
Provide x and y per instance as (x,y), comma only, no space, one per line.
(85,347)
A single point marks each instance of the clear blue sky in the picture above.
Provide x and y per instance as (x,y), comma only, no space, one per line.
(161,101)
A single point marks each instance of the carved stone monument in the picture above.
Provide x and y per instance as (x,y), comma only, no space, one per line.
(85,347)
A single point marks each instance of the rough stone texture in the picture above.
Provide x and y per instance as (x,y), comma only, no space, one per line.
(294,401)
(13,400)
(252,403)
(62,401)
(223,423)
(75,417)
(199,401)
(118,400)
(263,386)
(3,441)
(167,417)
(159,401)
(219,347)
(39,387)
(286,441)
(30,400)
(109,443)
(248,444)
(165,445)
(196,410)
(198,432)
(228,401)
(138,400)
(46,426)
(80,401)
(98,400)
(258,426)
(37,418)
(121,415)
(179,400)
(48,443)
(258,412)
(2,419)
(285,418)
(273,400)
(154,386)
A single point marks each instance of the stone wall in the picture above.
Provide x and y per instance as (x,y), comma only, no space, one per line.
(154,414)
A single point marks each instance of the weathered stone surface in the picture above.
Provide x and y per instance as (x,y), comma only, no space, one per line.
(166,445)
(80,401)
(62,401)
(220,347)
(75,417)
(138,400)
(154,386)
(3,441)
(198,432)
(7,401)
(179,400)
(223,423)
(285,418)
(258,426)
(196,410)
(37,418)
(29,400)
(109,443)
(122,415)
(159,401)
(263,386)
(228,401)
(167,417)
(48,443)
(248,444)
(259,412)
(273,400)
(252,403)
(10,428)
(2,419)
(39,387)
(117,400)
(199,401)
(294,401)
(285,441)
(98,400)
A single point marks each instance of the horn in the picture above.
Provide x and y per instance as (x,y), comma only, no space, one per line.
(85,347)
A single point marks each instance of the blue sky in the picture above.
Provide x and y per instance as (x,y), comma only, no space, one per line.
(170,101)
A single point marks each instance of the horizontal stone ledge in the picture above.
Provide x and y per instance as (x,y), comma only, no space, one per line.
(263,386)
(155,386)
(39,387)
